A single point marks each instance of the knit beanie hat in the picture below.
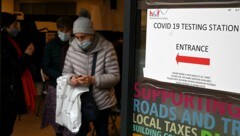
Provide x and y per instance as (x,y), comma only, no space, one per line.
(83,25)
(7,19)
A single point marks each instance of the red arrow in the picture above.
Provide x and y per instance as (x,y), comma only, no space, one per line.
(193,60)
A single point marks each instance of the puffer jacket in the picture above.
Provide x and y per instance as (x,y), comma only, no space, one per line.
(106,73)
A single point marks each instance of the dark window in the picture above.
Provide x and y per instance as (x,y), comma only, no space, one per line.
(68,8)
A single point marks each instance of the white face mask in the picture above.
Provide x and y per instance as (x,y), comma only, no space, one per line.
(64,36)
(85,45)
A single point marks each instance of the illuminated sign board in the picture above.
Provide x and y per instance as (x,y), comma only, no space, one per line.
(194,47)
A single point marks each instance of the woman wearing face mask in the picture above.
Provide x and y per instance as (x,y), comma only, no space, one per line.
(78,65)
(53,60)
(14,73)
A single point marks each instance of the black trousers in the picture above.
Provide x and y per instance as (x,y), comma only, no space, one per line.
(100,125)
(7,123)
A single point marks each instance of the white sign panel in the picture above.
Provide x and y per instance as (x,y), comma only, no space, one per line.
(194,47)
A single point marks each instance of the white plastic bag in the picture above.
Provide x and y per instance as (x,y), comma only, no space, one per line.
(68,105)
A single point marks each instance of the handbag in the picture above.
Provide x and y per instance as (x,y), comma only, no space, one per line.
(89,107)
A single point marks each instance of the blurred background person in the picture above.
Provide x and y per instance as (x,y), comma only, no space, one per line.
(53,61)
(15,76)
(30,34)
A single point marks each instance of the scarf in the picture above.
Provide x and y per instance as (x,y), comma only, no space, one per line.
(27,81)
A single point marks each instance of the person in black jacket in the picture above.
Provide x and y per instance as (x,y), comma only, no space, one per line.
(30,34)
(13,65)
(53,61)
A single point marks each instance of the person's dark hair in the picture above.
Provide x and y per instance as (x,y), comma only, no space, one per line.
(7,19)
(64,22)
(84,13)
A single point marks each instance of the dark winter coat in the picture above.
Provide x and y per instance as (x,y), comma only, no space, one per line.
(12,67)
(53,59)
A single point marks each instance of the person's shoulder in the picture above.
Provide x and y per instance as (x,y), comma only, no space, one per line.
(107,44)
(4,39)
(52,43)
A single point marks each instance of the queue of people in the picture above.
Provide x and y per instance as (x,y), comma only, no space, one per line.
(70,53)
